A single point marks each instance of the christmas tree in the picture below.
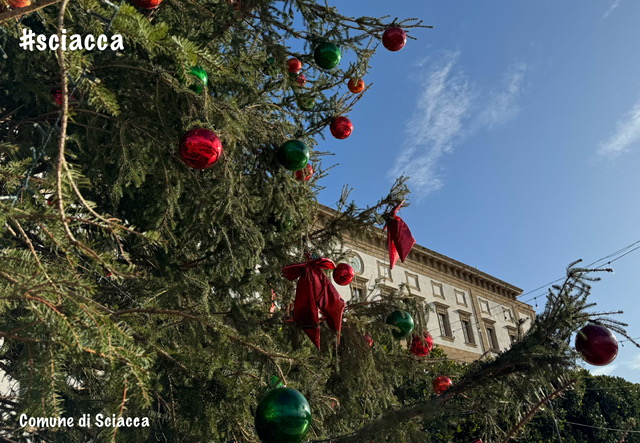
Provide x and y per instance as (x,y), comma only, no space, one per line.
(151,195)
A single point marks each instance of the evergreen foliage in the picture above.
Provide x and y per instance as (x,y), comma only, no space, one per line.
(132,285)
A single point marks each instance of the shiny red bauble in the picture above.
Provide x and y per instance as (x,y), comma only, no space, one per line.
(441,384)
(301,80)
(19,3)
(147,4)
(294,65)
(421,346)
(394,38)
(341,127)
(597,345)
(200,148)
(356,86)
(343,274)
(57,97)
(305,174)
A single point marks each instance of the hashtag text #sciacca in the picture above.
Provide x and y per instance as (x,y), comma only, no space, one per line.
(74,42)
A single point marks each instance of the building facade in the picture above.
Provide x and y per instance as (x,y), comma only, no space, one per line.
(472,313)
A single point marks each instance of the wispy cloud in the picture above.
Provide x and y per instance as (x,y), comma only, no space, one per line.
(449,109)
(436,125)
(612,8)
(503,104)
(626,136)
(604,370)
(635,363)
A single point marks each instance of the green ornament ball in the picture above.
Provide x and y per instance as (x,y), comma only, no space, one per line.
(306,102)
(202,79)
(327,55)
(404,321)
(293,155)
(283,416)
(269,67)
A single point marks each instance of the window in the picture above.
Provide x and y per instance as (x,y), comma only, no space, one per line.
(437,289)
(443,321)
(508,315)
(384,271)
(484,306)
(513,335)
(357,294)
(491,336)
(358,289)
(461,298)
(412,281)
(467,330)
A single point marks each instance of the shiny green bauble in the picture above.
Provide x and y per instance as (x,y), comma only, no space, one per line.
(327,55)
(202,79)
(283,416)
(404,321)
(293,155)
(306,102)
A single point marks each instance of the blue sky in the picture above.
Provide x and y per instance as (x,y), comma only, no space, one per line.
(519,124)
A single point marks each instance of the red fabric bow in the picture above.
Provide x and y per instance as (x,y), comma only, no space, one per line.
(315,292)
(399,238)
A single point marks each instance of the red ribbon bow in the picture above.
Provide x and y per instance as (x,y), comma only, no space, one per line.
(399,238)
(315,292)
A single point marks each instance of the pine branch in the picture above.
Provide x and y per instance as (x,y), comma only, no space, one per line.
(534,410)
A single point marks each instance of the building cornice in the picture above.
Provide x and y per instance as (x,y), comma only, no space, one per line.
(421,255)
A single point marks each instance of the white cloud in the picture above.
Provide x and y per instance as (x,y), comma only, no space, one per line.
(503,105)
(635,363)
(442,118)
(613,6)
(437,124)
(604,370)
(627,134)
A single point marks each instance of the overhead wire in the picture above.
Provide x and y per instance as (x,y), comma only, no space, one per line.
(624,251)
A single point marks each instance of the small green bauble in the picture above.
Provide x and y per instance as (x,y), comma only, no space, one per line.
(293,155)
(269,67)
(327,55)
(404,321)
(283,416)
(306,102)
(202,79)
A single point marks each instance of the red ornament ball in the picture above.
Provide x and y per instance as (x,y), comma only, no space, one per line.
(343,274)
(294,65)
(394,38)
(305,174)
(147,4)
(19,3)
(421,346)
(368,339)
(597,345)
(356,86)
(301,80)
(441,384)
(341,127)
(57,97)
(200,148)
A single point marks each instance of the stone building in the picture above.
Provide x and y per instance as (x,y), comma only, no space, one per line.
(473,313)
